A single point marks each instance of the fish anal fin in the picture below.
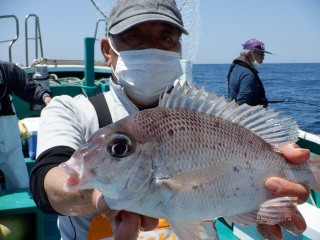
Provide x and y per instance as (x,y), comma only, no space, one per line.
(189,180)
(244,219)
(271,212)
(277,210)
(195,230)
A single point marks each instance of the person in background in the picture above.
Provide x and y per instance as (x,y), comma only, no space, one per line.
(14,80)
(137,32)
(244,84)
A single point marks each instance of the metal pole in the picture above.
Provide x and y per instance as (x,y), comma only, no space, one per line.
(89,66)
(12,41)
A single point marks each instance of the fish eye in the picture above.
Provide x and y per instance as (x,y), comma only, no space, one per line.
(120,146)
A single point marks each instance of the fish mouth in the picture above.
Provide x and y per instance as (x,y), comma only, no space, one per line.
(73,182)
(69,170)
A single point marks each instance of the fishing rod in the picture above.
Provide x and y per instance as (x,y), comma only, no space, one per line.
(100,11)
(294,101)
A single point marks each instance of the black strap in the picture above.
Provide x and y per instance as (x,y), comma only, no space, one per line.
(2,181)
(5,101)
(100,105)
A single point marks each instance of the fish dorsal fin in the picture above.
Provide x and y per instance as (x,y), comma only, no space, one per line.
(266,123)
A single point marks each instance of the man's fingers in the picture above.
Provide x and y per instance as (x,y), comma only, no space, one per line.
(101,205)
(281,187)
(127,226)
(270,231)
(295,223)
(148,223)
(293,153)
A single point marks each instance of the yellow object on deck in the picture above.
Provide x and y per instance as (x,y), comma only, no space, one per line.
(14,227)
(23,131)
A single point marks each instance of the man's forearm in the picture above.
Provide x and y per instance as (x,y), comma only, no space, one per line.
(66,203)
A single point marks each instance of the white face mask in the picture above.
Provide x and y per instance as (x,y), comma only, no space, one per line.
(255,64)
(145,74)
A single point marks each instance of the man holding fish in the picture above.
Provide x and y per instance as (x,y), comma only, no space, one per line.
(142,47)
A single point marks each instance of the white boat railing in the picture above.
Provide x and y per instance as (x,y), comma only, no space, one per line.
(11,40)
(309,136)
(36,38)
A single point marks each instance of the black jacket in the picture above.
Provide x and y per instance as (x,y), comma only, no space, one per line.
(14,80)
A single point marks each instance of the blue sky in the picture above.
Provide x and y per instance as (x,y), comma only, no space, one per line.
(290,28)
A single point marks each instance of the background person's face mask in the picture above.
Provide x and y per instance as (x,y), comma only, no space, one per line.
(255,64)
(145,74)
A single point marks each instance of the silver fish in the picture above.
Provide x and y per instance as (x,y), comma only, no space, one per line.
(194,158)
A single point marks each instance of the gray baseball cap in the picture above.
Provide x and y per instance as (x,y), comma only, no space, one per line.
(128,13)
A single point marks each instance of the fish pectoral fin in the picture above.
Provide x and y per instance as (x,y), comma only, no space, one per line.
(192,179)
(277,210)
(195,230)
(117,204)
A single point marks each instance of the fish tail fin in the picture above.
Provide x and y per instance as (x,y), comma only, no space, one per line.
(314,162)
(314,165)
(277,210)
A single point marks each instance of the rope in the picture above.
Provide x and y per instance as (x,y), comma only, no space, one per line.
(100,11)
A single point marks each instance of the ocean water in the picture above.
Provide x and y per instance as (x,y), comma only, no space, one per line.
(298,84)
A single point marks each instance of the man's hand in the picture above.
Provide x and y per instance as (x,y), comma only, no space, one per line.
(280,187)
(47,100)
(126,225)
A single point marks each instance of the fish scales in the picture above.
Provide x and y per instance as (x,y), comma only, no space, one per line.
(189,161)
(187,141)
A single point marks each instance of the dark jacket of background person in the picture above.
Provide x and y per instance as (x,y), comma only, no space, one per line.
(244,85)
(14,80)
